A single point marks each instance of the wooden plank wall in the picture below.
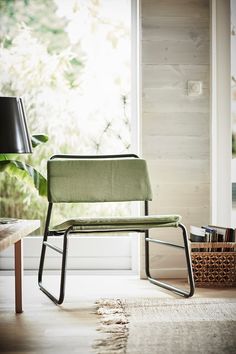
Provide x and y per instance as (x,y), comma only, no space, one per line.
(175,127)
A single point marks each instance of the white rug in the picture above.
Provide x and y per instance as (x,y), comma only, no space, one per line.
(148,326)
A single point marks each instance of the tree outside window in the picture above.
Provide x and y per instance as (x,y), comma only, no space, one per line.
(70,61)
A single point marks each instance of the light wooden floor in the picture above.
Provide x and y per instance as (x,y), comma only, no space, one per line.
(70,328)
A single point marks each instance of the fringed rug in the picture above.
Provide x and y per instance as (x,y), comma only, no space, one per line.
(148,326)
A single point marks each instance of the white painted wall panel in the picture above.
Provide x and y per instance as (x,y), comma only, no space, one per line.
(184,171)
(179,29)
(174,76)
(175,126)
(179,147)
(170,100)
(175,52)
(176,8)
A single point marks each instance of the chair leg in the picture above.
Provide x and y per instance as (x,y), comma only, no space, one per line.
(188,262)
(60,299)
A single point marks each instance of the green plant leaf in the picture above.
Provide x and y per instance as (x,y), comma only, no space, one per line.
(26,174)
(38,139)
(4,157)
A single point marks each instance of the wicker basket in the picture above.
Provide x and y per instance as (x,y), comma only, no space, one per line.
(214,264)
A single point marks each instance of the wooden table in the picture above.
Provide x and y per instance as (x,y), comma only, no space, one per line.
(13,233)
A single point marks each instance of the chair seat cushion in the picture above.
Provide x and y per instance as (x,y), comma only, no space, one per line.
(119,223)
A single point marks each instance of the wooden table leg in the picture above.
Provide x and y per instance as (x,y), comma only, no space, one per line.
(18,276)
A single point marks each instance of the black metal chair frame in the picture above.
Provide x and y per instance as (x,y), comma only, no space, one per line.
(148,240)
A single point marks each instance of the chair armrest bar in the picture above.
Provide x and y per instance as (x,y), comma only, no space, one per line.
(55,248)
(163,243)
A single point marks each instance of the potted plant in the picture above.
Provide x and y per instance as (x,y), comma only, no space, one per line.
(10,164)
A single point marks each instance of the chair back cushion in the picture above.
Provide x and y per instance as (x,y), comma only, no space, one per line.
(98,180)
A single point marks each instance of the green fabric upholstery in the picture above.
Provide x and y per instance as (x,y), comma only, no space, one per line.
(86,180)
(98,180)
(120,223)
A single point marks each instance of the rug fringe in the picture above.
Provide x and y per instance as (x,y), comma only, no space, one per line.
(113,321)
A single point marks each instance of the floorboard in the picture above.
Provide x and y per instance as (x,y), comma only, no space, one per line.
(70,328)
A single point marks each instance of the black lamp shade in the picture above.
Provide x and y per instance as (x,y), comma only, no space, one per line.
(14,136)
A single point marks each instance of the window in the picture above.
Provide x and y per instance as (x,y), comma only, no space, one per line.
(73,69)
